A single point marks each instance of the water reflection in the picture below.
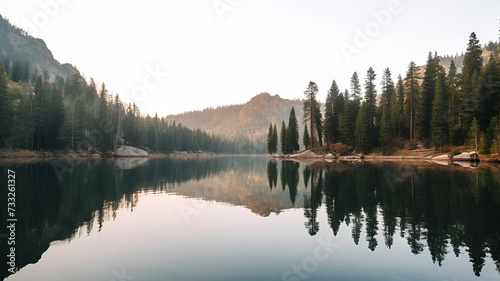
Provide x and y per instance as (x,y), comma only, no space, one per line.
(440,208)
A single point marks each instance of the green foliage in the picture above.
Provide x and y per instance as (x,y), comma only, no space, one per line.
(385,138)
(348,122)
(5,108)
(356,88)
(290,134)
(363,141)
(346,150)
(272,144)
(371,105)
(439,130)
(311,108)
(424,113)
(275,140)
(488,93)
(333,108)
(283,137)
(412,91)
(396,109)
(306,139)
(293,126)
(474,134)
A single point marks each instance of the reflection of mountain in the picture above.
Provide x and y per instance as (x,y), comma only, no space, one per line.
(447,210)
(93,190)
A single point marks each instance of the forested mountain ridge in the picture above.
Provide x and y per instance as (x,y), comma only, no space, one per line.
(251,119)
(32,53)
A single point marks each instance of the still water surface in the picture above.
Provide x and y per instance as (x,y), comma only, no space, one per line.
(250,218)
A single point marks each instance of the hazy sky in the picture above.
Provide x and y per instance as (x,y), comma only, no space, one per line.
(219,52)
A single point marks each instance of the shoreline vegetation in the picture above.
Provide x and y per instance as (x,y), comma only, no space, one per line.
(317,154)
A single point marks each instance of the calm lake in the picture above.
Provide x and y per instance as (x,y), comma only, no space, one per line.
(251,218)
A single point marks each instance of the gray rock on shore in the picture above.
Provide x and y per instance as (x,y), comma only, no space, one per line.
(130,151)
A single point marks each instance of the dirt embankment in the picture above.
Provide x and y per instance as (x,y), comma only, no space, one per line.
(337,151)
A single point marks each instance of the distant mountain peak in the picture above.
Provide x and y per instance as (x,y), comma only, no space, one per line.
(17,45)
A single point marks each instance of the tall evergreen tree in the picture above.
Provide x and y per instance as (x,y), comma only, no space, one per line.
(270,139)
(310,108)
(424,113)
(275,139)
(5,108)
(371,103)
(385,138)
(439,130)
(355,88)
(306,139)
(470,81)
(348,121)
(363,141)
(332,111)
(396,109)
(488,93)
(412,90)
(293,127)
(454,108)
(283,137)
(107,141)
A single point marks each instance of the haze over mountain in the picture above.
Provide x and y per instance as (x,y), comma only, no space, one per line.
(251,118)
(17,45)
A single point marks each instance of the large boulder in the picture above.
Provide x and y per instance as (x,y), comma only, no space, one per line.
(130,151)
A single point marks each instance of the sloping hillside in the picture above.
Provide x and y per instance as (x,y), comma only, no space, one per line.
(17,45)
(251,118)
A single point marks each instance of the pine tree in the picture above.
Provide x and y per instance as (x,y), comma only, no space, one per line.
(306,139)
(385,138)
(332,111)
(24,122)
(56,113)
(293,127)
(495,135)
(275,140)
(270,139)
(396,109)
(488,93)
(363,141)
(283,137)
(310,108)
(438,124)
(346,123)
(472,59)
(107,142)
(371,103)
(474,134)
(412,90)
(356,88)
(452,86)
(470,81)
(318,124)
(424,113)
(5,108)
(386,126)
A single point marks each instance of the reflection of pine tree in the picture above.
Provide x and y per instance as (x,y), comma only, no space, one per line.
(456,238)
(371,227)
(389,227)
(414,234)
(357,226)
(307,174)
(312,203)
(437,241)
(272,173)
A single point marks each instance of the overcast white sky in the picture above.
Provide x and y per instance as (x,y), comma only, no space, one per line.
(219,52)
